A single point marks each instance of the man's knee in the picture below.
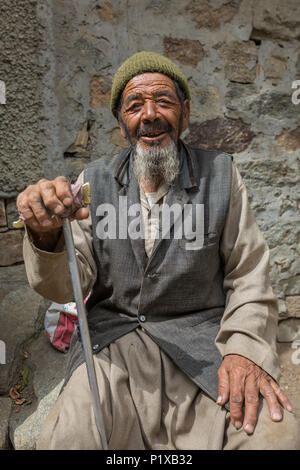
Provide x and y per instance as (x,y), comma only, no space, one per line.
(268,435)
(283,435)
(280,435)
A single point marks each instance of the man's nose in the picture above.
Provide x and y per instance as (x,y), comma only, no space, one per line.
(149,111)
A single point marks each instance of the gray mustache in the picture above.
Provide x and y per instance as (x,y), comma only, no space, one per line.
(153,128)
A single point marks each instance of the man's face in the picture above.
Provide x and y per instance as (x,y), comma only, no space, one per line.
(151,111)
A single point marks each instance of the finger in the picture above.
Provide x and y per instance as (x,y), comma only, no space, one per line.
(63,190)
(26,212)
(237,394)
(223,386)
(283,399)
(81,214)
(268,393)
(46,221)
(251,404)
(50,200)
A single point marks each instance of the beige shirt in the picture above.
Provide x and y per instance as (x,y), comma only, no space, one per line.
(249,322)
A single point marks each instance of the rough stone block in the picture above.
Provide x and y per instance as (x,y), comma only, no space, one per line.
(106,12)
(290,140)
(277,19)
(117,139)
(11,247)
(293,305)
(205,16)
(99,91)
(228,135)
(206,103)
(241,58)
(273,104)
(288,330)
(277,67)
(186,51)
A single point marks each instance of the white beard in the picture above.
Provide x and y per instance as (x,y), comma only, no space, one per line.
(156,163)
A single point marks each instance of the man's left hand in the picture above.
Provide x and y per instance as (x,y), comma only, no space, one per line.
(241,381)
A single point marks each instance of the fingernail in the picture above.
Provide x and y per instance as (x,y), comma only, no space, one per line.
(238,424)
(276,416)
(289,408)
(249,428)
(219,399)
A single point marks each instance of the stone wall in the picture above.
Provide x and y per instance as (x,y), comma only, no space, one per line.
(57,60)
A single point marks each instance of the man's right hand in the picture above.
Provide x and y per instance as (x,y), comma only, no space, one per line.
(42,204)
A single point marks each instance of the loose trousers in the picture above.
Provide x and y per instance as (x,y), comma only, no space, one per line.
(148,403)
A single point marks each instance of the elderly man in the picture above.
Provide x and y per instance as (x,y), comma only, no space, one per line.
(183,330)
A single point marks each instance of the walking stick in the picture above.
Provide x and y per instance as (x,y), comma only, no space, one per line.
(82,317)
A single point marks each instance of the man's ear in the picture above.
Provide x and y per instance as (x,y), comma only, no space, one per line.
(186,115)
(122,130)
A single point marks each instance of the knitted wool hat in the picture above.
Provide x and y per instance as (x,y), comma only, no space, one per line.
(143,62)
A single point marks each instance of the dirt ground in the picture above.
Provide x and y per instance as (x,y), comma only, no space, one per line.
(290,378)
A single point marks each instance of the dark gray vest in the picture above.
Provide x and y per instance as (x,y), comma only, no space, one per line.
(177,294)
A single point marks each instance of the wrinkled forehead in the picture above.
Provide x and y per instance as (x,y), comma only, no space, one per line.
(147,84)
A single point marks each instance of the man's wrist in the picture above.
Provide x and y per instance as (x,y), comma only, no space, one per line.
(46,241)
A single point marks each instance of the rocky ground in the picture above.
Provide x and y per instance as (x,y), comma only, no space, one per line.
(33,374)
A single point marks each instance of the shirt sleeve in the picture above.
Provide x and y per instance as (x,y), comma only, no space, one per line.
(249,323)
(48,272)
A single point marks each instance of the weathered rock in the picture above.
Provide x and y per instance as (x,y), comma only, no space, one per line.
(48,366)
(265,110)
(289,356)
(106,12)
(298,66)
(5,410)
(99,91)
(227,135)
(74,166)
(11,247)
(277,19)
(2,92)
(20,318)
(11,279)
(22,150)
(289,139)
(277,67)
(205,16)
(3,221)
(11,212)
(117,139)
(275,104)
(206,103)
(293,305)
(241,58)
(186,51)
(239,97)
(288,330)
(79,147)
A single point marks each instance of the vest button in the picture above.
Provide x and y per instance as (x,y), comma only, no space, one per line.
(143,318)
(95,347)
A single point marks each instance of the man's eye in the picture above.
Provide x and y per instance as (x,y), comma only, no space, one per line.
(134,106)
(163,101)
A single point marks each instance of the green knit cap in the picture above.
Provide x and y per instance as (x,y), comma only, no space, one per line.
(143,62)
